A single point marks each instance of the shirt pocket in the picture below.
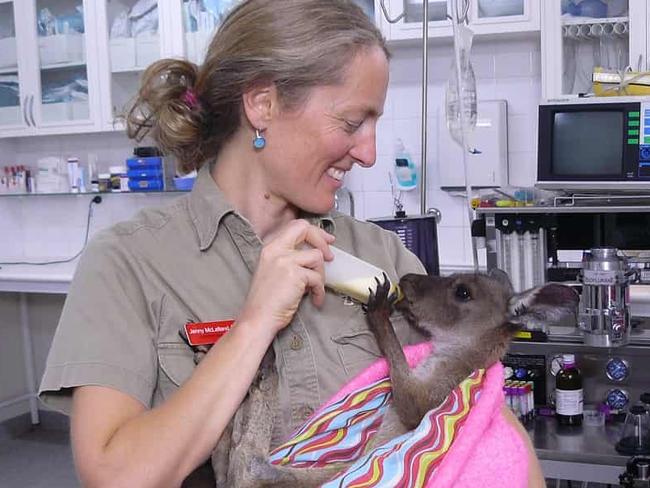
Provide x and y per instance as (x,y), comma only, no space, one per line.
(176,360)
(357,348)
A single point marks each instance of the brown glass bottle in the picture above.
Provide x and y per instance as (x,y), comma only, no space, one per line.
(568,393)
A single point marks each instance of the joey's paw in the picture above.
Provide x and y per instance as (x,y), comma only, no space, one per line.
(380,303)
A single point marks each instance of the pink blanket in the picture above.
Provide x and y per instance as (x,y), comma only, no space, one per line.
(466,442)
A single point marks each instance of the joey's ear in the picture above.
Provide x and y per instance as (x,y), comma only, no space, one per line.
(543,304)
(259,103)
(502,277)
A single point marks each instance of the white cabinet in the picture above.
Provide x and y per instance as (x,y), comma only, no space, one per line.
(504,16)
(11,115)
(200,20)
(56,79)
(577,37)
(73,66)
(131,35)
(486,17)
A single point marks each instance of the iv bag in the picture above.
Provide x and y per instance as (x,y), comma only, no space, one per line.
(467,92)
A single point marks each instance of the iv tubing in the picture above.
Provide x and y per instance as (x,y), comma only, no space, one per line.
(463,121)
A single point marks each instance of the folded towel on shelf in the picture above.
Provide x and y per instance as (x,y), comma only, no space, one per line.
(464,442)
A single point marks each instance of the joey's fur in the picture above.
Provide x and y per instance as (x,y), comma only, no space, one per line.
(470,318)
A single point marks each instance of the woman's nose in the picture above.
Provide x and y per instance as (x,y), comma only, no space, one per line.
(365,150)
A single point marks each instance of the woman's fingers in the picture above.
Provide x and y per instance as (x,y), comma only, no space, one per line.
(314,284)
(300,231)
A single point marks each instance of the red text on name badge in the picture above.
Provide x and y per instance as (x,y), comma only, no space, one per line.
(204,333)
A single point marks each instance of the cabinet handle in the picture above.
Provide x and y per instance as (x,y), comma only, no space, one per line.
(25,110)
(31,110)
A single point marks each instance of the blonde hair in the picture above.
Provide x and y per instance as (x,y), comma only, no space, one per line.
(295,44)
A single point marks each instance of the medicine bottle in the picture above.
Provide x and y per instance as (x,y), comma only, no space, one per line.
(568,393)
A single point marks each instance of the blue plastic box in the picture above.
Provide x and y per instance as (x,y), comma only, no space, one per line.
(155,184)
(145,174)
(154,162)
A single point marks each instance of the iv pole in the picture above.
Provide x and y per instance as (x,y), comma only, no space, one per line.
(425,92)
(425,81)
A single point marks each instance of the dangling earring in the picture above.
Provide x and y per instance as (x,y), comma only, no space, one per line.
(259,142)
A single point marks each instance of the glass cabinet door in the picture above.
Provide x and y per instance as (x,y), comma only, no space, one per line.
(134,42)
(411,14)
(595,33)
(201,18)
(61,33)
(489,9)
(414,11)
(10,107)
(368,7)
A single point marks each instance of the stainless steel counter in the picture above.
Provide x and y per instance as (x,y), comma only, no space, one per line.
(578,453)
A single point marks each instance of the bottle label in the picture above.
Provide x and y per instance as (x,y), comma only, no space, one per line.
(568,402)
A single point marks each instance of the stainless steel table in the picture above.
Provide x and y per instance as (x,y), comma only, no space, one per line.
(578,453)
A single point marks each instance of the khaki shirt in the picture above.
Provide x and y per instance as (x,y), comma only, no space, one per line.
(140,281)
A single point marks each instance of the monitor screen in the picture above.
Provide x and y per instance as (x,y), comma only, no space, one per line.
(588,143)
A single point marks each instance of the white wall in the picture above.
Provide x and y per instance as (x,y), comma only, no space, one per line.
(508,70)
(42,227)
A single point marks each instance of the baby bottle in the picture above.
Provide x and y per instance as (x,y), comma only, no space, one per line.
(351,276)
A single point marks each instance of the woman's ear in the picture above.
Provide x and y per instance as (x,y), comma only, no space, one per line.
(260,102)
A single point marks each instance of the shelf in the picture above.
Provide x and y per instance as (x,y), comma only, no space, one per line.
(74,64)
(91,193)
(133,69)
(569,20)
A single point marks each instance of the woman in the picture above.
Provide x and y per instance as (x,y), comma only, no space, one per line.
(285,104)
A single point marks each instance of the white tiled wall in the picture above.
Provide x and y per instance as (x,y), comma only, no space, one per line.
(508,70)
(44,227)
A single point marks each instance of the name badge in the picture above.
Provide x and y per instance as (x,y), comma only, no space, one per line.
(206,333)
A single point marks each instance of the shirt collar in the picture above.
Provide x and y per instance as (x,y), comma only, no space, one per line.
(208,206)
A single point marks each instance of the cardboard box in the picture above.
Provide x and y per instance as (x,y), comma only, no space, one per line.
(147,50)
(122,53)
(8,52)
(56,112)
(196,45)
(10,116)
(61,48)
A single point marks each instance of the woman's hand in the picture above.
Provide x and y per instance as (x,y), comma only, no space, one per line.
(291,264)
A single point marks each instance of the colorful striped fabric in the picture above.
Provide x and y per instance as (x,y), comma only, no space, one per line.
(339,432)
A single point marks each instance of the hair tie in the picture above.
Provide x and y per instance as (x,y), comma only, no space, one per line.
(190,99)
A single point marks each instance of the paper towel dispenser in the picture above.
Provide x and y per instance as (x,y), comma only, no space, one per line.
(490,167)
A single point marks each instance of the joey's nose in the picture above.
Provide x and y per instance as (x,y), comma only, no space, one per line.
(411,283)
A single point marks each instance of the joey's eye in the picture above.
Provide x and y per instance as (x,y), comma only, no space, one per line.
(462,293)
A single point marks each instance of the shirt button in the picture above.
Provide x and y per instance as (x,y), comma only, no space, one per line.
(296,343)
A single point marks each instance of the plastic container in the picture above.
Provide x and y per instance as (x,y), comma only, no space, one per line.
(184,183)
(405,172)
(119,179)
(140,163)
(593,416)
(353,277)
(104,182)
(155,184)
(144,174)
